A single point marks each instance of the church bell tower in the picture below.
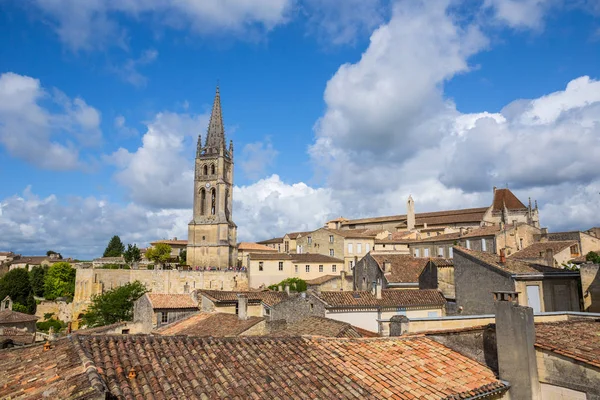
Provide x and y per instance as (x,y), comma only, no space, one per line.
(212,235)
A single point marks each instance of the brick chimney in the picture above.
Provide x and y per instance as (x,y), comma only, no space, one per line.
(550,257)
(242,307)
(387,267)
(502,258)
(515,338)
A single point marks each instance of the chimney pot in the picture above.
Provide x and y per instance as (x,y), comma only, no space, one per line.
(502,259)
(47,345)
(132,373)
(378,290)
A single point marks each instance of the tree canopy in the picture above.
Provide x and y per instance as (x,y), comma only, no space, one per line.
(37,276)
(52,252)
(161,253)
(114,305)
(593,257)
(115,247)
(16,284)
(132,254)
(60,281)
(183,257)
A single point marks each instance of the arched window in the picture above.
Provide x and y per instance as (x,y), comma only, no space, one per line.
(213,201)
(202,201)
(212,169)
(206,170)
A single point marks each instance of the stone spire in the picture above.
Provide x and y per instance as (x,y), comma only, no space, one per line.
(215,139)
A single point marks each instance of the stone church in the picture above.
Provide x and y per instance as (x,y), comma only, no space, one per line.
(212,233)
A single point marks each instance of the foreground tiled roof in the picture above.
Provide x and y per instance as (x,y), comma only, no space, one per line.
(538,250)
(209,324)
(577,339)
(404,267)
(389,298)
(511,266)
(504,197)
(318,326)
(178,367)
(269,297)
(171,300)
(248,246)
(10,316)
(314,258)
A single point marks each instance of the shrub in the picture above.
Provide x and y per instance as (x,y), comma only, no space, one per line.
(44,326)
(296,284)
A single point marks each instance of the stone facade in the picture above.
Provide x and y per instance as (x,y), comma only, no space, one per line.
(586,241)
(296,308)
(590,287)
(562,376)
(151,318)
(212,234)
(89,282)
(61,310)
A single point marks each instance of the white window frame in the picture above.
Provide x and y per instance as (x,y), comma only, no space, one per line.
(331,253)
(307,268)
(320,268)
(330,238)
(296,268)
(450,252)
(426,252)
(440,251)
(309,239)
(367,248)
(483,245)
(350,248)
(358,248)
(417,252)
(334,268)
(468,244)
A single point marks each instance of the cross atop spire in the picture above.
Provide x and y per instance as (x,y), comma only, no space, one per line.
(215,139)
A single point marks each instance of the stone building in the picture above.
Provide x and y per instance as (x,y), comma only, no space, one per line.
(439,274)
(478,274)
(274,243)
(590,286)
(16,328)
(228,301)
(585,240)
(245,248)
(212,234)
(552,254)
(329,283)
(349,245)
(265,269)
(177,246)
(290,242)
(154,310)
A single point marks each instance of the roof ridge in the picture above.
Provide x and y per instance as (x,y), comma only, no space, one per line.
(88,364)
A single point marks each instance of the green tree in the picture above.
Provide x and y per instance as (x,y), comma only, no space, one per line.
(593,257)
(60,281)
(19,308)
(132,254)
(114,305)
(296,284)
(52,252)
(183,257)
(161,253)
(114,248)
(37,276)
(16,284)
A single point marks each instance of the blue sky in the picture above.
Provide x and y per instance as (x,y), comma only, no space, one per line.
(334,109)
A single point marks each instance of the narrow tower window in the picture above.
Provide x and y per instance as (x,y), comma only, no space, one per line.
(202,201)
(213,207)
(227,203)
(206,170)
(212,169)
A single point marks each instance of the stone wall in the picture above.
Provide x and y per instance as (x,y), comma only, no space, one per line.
(297,307)
(61,310)
(590,286)
(565,372)
(89,282)
(366,272)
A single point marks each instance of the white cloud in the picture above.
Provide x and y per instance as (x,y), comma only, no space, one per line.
(122,128)
(159,174)
(129,71)
(521,14)
(31,131)
(92,23)
(257,157)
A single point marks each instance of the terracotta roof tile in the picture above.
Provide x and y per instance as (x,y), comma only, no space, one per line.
(389,298)
(318,326)
(578,339)
(504,197)
(83,367)
(404,267)
(296,235)
(9,317)
(171,300)
(511,266)
(248,246)
(209,324)
(431,218)
(538,250)
(269,297)
(271,241)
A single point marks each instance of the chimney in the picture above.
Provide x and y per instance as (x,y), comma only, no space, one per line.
(387,267)
(461,231)
(69,327)
(242,307)
(287,289)
(378,290)
(342,279)
(515,338)
(398,325)
(410,214)
(175,238)
(502,259)
(544,237)
(550,257)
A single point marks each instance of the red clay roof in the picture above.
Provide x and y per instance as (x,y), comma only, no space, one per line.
(404,267)
(268,296)
(314,258)
(538,250)
(171,300)
(389,298)
(326,278)
(270,241)
(295,235)
(248,246)
(577,339)
(504,197)
(209,324)
(431,218)
(318,326)
(10,316)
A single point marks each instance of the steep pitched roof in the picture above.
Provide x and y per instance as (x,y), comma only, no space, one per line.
(389,298)
(209,324)
(511,266)
(318,326)
(215,138)
(160,301)
(538,250)
(295,235)
(504,197)
(404,267)
(249,246)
